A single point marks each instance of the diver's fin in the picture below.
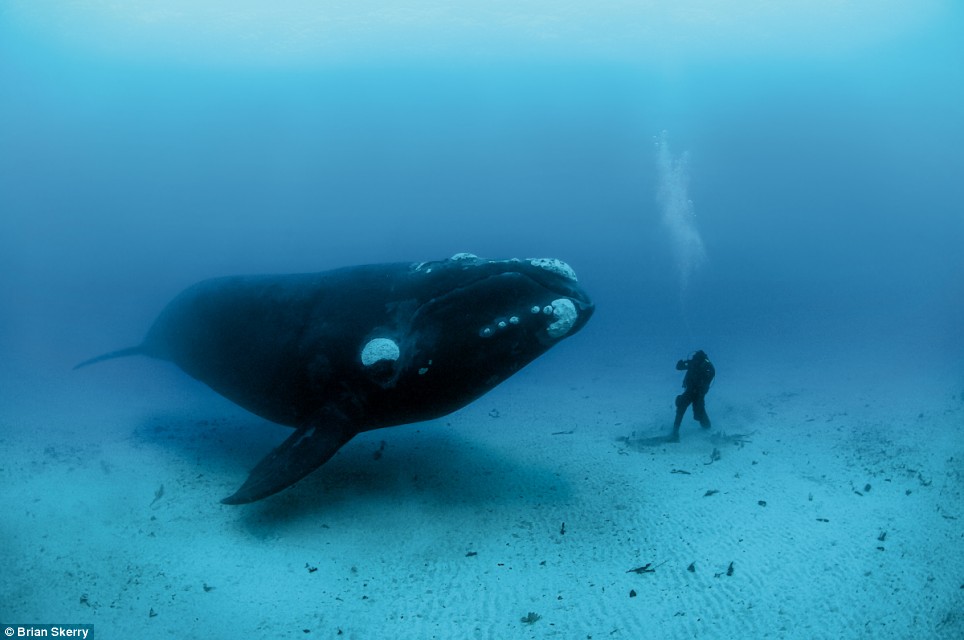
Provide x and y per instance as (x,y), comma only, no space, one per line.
(304,451)
(120,353)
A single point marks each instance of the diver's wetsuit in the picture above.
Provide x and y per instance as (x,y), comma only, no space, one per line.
(696,382)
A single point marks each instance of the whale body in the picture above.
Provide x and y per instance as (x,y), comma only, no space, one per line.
(335,353)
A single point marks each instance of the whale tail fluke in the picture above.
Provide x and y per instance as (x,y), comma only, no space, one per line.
(120,353)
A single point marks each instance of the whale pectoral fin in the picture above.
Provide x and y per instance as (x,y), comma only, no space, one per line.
(304,451)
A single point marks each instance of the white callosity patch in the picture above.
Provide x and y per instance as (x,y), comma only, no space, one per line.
(556,266)
(458,257)
(500,324)
(378,349)
(564,312)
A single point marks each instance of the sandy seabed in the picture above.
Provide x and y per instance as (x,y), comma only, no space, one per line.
(548,508)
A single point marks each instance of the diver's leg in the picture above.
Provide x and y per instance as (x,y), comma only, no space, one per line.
(699,411)
(681,403)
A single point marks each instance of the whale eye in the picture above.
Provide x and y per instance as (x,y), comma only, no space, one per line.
(379,349)
(564,312)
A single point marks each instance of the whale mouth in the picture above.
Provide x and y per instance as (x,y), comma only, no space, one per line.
(562,299)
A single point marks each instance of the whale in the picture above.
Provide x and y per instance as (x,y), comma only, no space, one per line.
(339,352)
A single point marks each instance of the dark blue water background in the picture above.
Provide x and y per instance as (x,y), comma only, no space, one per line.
(826,192)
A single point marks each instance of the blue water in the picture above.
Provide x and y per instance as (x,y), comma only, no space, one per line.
(822,187)
(767,188)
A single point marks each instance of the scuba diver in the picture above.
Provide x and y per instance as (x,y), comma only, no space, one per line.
(696,382)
